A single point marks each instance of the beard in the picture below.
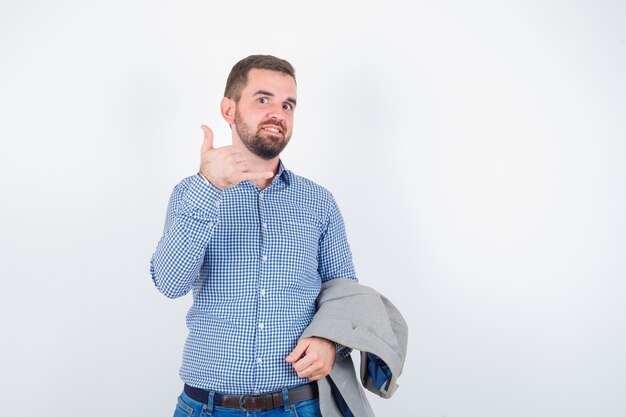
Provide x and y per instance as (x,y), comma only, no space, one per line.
(261,143)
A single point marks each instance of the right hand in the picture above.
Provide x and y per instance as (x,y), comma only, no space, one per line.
(225,166)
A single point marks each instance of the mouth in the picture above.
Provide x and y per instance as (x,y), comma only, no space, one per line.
(272,129)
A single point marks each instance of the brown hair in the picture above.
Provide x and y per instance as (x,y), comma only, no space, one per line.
(238,77)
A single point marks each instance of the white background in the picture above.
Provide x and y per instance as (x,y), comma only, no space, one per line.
(476,150)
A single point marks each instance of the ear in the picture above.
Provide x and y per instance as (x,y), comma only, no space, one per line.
(228,110)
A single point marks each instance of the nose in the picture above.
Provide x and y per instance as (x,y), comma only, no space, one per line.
(277,112)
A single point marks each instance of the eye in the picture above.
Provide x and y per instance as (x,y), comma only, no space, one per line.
(263,100)
(287,106)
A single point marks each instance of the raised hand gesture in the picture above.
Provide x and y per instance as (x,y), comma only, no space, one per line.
(225,166)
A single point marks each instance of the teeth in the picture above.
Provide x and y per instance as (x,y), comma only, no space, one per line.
(273,129)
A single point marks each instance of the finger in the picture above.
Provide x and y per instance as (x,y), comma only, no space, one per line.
(316,370)
(304,364)
(313,371)
(310,373)
(257,175)
(316,377)
(298,351)
(207,143)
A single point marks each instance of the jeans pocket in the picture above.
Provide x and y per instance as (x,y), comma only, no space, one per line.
(182,409)
(309,408)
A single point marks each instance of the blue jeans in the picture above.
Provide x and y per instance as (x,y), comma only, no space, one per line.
(187,407)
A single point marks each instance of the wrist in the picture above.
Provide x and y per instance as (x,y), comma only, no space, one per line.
(207,181)
(203,177)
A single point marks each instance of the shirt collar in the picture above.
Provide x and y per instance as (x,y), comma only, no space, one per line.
(283,173)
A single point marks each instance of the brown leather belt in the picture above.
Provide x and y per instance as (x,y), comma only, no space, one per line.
(254,402)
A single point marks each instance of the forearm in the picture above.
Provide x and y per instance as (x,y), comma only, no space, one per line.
(192,216)
(175,265)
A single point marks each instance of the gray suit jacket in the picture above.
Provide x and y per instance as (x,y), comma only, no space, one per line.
(358,317)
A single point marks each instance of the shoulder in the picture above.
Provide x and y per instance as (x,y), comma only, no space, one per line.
(311,193)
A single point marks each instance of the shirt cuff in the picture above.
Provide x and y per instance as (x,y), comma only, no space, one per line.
(202,198)
(343,350)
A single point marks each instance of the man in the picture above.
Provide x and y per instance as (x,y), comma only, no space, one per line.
(254,242)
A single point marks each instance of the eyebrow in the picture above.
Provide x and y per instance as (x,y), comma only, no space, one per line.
(267,93)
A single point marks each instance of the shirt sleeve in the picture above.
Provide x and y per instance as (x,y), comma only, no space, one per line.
(342,350)
(192,215)
(334,255)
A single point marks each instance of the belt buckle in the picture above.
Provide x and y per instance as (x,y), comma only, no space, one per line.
(242,405)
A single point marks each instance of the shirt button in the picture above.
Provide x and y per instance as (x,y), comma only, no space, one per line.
(259,360)
(261,326)
(262,291)
(264,258)
(264,225)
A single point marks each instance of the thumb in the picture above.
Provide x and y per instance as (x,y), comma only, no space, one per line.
(297,352)
(207,144)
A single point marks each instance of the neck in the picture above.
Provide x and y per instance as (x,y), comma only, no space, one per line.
(257,164)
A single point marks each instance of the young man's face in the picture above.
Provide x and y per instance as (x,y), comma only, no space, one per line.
(264,113)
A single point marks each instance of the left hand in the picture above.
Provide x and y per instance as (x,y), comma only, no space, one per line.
(318,360)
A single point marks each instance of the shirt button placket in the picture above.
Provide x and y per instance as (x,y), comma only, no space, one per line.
(260,339)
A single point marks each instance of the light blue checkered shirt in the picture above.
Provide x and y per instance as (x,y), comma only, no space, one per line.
(255,260)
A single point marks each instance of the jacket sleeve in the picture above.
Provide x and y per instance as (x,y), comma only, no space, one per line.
(192,215)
